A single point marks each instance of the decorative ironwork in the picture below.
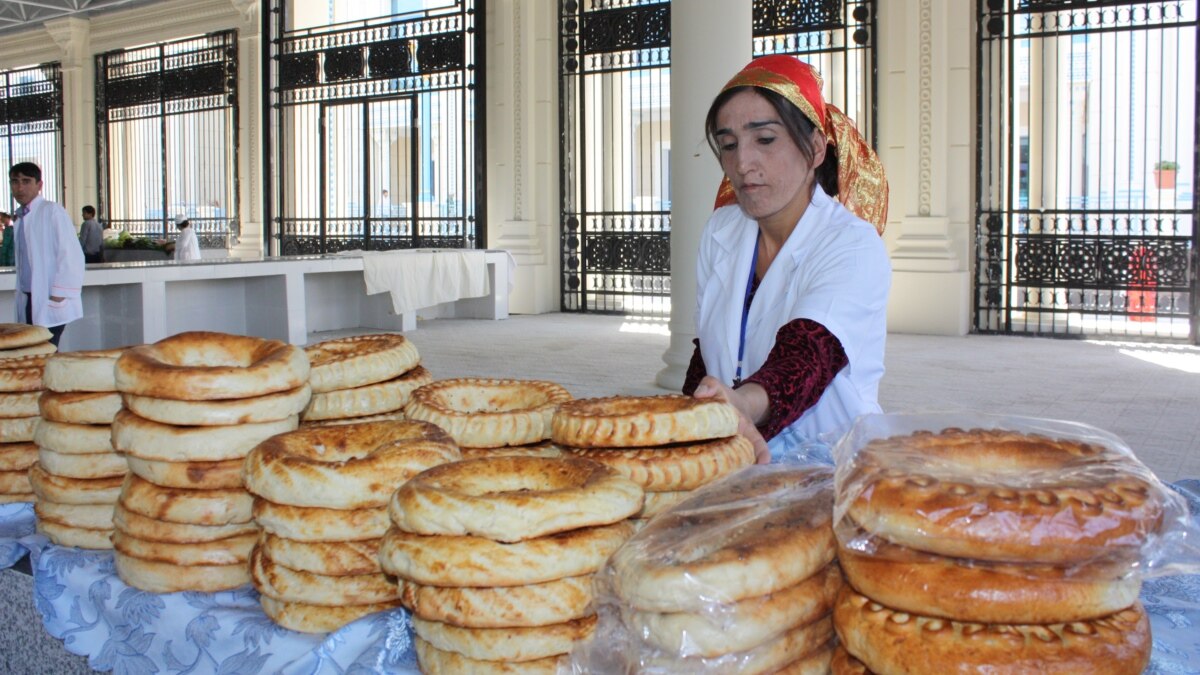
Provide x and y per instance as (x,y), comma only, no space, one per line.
(787,17)
(626,28)
(1075,233)
(375,123)
(167,130)
(31,120)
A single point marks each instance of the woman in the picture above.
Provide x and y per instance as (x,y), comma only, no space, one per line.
(793,285)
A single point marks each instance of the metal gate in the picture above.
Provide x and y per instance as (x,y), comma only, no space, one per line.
(1086,204)
(31,123)
(374,125)
(616,134)
(167,131)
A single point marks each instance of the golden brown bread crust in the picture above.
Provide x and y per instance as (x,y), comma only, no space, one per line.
(887,641)
(334,558)
(283,583)
(684,466)
(152,529)
(91,516)
(353,466)
(368,400)
(543,449)
(18,456)
(91,370)
(178,505)
(305,618)
(16,335)
(160,577)
(753,533)
(434,661)
(15,497)
(489,413)
(17,429)
(203,366)
(66,490)
(741,626)
(513,498)
(844,664)
(233,550)
(15,404)
(79,407)
(42,349)
(541,604)
(95,465)
(529,643)
(641,421)
(816,662)
(307,523)
(22,373)
(657,502)
(269,408)
(79,537)
(1002,496)
(140,437)
(73,439)
(474,561)
(223,474)
(349,362)
(963,590)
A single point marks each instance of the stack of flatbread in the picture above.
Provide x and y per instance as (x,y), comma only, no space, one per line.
(491,418)
(321,497)
(195,405)
(670,445)
(364,378)
(20,386)
(78,475)
(496,557)
(19,339)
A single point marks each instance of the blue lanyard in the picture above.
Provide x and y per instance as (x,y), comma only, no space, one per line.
(737,378)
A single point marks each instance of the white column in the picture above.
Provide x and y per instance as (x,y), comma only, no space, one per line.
(710,41)
(925,145)
(250,114)
(72,35)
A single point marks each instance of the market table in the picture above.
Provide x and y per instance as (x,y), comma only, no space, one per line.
(83,603)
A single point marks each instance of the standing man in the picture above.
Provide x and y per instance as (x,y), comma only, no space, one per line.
(91,237)
(49,258)
(187,246)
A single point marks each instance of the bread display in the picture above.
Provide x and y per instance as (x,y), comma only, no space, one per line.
(18,340)
(1005,549)
(320,497)
(496,557)
(78,474)
(362,378)
(487,413)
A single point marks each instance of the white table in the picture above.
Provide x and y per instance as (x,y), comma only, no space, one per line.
(281,298)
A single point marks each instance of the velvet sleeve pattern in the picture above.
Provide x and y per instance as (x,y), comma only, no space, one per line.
(805,359)
(695,372)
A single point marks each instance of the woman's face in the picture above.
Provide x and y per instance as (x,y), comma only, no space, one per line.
(773,180)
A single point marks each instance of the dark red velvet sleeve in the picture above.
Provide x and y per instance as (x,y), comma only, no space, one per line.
(695,372)
(803,362)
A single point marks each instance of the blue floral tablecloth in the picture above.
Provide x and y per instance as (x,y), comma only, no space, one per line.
(84,604)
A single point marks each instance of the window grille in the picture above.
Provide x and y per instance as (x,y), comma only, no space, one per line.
(375,128)
(167,133)
(1079,230)
(31,124)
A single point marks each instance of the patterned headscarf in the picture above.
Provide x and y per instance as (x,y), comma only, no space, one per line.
(862,186)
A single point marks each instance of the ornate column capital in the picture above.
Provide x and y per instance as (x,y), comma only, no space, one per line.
(72,35)
(247,8)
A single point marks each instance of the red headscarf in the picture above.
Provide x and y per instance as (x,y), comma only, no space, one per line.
(862,186)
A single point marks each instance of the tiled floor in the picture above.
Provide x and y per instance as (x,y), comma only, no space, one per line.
(1149,395)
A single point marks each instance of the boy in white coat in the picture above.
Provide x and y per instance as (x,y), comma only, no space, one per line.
(49,260)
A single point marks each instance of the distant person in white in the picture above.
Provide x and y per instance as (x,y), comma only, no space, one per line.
(186,247)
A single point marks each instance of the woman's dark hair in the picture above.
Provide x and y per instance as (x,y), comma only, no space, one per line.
(799,127)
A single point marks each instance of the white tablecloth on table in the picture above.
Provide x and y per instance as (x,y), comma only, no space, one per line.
(417,279)
(84,604)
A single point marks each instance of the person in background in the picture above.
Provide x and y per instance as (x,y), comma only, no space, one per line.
(7,252)
(187,246)
(49,259)
(793,275)
(91,237)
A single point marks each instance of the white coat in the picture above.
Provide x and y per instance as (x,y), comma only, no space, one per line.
(187,246)
(56,260)
(833,270)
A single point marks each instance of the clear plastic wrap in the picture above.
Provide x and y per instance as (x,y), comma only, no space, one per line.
(737,578)
(1042,499)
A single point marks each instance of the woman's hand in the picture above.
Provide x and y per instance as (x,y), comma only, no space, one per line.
(711,387)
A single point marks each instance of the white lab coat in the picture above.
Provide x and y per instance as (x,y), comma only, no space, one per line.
(57,261)
(834,270)
(187,246)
